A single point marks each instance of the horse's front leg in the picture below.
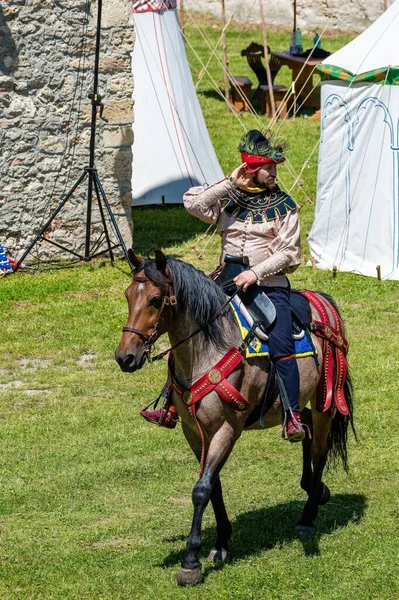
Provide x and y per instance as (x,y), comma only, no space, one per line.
(220,551)
(218,452)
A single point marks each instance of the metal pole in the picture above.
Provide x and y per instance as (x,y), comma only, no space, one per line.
(94,105)
(268,73)
(225,61)
(294,28)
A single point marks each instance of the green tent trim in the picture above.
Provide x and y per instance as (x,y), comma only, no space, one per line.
(385,75)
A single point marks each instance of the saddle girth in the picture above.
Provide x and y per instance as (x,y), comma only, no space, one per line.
(330,391)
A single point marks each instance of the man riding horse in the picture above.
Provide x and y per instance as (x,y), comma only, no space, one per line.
(259,227)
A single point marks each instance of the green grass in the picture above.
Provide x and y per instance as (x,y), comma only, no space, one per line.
(95,503)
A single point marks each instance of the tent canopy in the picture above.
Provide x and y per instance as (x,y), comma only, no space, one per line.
(172,150)
(372,56)
(356,225)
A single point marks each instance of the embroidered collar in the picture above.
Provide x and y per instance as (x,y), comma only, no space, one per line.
(259,205)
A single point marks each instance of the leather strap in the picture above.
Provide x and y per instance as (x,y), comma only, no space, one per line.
(214,380)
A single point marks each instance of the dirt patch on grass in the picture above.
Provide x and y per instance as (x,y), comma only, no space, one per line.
(86,360)
(33,364)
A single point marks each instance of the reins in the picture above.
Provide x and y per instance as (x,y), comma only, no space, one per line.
(169,299)
(194,333)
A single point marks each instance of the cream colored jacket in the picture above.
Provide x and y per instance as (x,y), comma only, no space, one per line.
(272,247)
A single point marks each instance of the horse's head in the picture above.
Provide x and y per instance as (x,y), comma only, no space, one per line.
(147,299)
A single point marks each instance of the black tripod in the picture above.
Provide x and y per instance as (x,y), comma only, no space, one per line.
(93,182)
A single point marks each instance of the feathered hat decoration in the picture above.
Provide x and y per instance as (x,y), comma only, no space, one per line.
(257,150)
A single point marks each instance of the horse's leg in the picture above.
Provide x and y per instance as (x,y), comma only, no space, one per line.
(218,452)
(306,479)
(319,493)
(220,551)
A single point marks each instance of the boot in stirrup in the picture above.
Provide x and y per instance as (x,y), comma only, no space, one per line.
(166,416)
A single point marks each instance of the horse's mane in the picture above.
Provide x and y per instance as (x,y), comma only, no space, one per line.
(197,296)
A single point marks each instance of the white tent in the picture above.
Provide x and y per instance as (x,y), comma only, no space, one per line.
(171,149)
(357,211)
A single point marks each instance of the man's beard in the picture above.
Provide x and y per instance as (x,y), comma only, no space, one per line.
(268,188)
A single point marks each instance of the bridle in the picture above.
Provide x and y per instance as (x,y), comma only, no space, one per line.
(168,299)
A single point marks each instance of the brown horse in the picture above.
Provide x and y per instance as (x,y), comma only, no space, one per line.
(170,296)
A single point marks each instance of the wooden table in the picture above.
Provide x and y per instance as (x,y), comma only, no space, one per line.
(306,95)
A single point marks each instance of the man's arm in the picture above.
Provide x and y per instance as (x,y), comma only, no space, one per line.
(204,202)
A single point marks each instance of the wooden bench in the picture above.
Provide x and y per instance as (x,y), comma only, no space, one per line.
(241,93)
(282,100)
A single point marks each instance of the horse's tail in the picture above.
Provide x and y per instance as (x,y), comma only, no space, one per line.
(338,437)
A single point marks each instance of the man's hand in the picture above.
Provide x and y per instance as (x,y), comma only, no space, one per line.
(245,279)
(240,175)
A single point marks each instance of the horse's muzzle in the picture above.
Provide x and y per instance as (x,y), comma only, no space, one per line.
(129,363)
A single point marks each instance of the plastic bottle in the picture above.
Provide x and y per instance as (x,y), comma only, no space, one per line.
(316,41)
(298,41)
(293,42)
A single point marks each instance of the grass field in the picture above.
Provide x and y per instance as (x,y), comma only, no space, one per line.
(95,503)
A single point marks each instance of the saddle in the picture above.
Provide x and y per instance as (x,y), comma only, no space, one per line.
(255,305)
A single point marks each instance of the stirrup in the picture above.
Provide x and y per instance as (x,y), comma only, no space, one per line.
(163,395)
(293,429)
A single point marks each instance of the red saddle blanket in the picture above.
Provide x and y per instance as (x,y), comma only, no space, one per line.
(329,327)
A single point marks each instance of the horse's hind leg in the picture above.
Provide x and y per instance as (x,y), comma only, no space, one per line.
(218,452)
(306,479)
(318,493)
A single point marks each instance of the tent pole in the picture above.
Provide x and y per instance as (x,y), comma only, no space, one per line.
(268,73)
(181,18)
(225,60)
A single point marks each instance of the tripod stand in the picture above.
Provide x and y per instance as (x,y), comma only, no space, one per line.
(94,182)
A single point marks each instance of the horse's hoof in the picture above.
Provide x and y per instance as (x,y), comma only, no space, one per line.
(308,529)
(219,556)
(189,576)
(325,494)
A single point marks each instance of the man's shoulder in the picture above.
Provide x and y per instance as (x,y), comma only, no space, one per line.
(282,202)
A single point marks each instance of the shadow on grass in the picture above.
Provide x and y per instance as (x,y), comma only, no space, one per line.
(265,528)
(162,227)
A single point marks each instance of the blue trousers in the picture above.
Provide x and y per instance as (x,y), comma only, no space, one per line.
(281,345)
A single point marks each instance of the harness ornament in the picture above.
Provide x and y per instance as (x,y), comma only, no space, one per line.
(214,376)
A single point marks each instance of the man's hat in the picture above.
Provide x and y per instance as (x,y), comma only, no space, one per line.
(257,151)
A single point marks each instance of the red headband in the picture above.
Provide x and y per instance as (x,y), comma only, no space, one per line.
(255,162)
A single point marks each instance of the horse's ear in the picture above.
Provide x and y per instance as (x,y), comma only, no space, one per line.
(134,259)
(160,261)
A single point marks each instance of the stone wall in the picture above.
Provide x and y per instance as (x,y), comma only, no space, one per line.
(47,51)
(352,15)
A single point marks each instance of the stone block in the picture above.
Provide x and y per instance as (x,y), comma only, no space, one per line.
(116,13)
(50,144)
(121,85)
(118,137)
(115,65)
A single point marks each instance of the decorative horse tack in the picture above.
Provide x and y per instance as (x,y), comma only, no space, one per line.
(214,379)
(331,386)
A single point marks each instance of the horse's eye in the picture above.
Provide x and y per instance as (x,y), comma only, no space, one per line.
(156,301)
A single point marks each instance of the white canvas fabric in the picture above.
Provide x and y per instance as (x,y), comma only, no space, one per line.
(356,221)
(356,225)
(172,150)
